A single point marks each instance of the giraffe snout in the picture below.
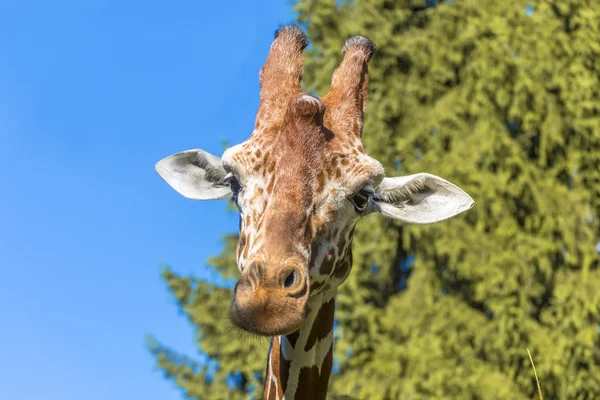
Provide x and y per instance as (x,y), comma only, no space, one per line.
(270,299)
(254,274)
(290,279)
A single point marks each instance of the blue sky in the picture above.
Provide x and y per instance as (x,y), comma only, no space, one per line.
(92,94)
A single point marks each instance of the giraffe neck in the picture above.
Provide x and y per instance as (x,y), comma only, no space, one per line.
(299,364)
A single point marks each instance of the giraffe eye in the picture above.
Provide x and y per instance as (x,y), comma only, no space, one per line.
(234,185)
(360,201)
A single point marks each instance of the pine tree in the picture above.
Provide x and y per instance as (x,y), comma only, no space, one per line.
(503,99)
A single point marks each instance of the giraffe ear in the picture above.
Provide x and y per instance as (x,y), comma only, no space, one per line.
(420,199)
(195,174)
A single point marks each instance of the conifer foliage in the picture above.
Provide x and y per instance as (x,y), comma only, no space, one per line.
(503,99)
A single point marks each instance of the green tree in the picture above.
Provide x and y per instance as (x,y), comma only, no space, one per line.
(502,98)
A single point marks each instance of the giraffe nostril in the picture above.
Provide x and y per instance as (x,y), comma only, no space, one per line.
(292,281)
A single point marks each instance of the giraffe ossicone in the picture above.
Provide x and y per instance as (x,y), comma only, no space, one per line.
(301,181)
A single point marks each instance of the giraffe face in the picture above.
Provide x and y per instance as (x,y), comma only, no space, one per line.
(301,181)
(299,190)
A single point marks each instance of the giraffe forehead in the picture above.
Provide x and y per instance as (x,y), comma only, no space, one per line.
(296,188)
(341,163)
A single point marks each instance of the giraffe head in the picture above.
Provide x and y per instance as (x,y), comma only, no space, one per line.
(300,182)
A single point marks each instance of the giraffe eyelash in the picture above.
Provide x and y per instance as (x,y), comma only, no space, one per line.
(226,179)
(234,184)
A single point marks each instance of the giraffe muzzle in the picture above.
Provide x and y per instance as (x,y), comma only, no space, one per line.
(272,301)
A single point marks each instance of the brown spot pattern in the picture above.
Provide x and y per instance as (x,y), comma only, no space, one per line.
(270,390)
(328,263)
(293,337)
(311,384)
(344,268)
(323,324)
(284,375)
(270,185)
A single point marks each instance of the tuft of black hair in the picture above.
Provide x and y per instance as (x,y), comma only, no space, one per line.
(294,31)
(360,41)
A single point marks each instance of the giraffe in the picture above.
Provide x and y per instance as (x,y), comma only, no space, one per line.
(301,181)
